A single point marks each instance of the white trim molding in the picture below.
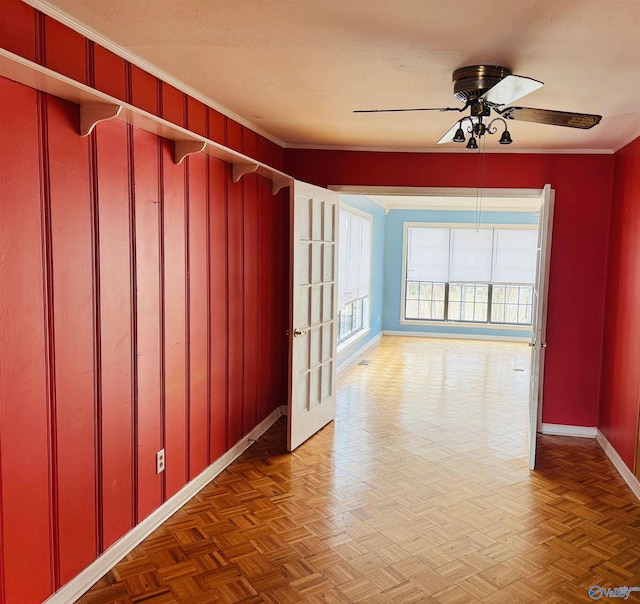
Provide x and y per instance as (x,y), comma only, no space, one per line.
(392,149)
(624,471)
(455,336)
(587,432)
(564,430)
(352,358)
(103,564)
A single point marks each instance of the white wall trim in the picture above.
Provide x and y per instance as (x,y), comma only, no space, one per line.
(342,365)
(616,460)
(564,430)
(524,329)
(455,336)
(626,141)
(103,564)
(389,149)
(353,341)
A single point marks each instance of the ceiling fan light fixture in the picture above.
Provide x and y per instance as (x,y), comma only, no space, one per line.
(488,89)
(459,136)
(505,139)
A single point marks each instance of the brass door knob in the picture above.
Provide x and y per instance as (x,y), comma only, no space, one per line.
(298,332)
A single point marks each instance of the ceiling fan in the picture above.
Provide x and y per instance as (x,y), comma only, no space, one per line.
(487,88)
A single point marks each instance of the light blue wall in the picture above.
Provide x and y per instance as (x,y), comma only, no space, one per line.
(378,218)
(394,232)
(386,269)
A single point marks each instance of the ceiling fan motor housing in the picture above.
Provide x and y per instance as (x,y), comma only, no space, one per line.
(471,82)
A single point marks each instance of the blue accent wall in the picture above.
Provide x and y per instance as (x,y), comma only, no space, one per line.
(386,270)
(378,219)
(394,232)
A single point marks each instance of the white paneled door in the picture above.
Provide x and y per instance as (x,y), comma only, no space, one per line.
(539,327)
(312,323)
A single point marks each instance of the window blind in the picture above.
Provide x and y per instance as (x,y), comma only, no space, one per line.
(427,254)
(515,254)
(471,253)
(354,257)
(483,256)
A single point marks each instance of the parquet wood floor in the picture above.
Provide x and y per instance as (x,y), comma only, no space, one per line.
(418,492)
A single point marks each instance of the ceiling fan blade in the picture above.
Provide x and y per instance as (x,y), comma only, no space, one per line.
(414,109)
(554,118)
(449,134)
(509,89)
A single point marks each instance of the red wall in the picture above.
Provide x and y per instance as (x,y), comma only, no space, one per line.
(620,406)
(140,304)
(116,289)
(578,256)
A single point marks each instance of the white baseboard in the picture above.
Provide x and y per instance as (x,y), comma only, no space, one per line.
(455,336)
(616,460)
(357,354)
(563,430)
(97,569)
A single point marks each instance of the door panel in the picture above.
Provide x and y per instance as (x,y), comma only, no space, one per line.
(312,342)
(539,327)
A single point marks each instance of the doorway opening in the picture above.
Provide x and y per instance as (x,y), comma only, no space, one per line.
(497,298)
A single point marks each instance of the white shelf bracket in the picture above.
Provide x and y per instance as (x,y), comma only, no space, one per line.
(184,148)
(90,115)
(242,168)
(278,182)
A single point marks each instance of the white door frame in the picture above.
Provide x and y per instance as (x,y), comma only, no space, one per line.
(534,198)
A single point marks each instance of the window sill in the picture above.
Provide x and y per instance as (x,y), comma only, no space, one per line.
(355,338)
(524,328)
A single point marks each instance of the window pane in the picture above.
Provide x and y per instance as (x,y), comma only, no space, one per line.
(426,300)
(350,319)
(454,311)
(412,309)
(512,303)
(413,290)
(468,302)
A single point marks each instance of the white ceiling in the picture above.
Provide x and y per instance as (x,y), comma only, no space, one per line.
(296,69)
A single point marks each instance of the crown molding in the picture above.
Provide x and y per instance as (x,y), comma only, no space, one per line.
(626,141)
(520,151)
(65,19)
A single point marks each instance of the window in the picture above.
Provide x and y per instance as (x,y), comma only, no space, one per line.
(468,275)
(354,273)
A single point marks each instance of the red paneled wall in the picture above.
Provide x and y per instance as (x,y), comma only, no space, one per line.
(141,305)
(132,318)
(578,256)
(135,296)
(620,406)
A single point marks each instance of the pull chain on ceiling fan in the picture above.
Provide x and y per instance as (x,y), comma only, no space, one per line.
(487,88)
